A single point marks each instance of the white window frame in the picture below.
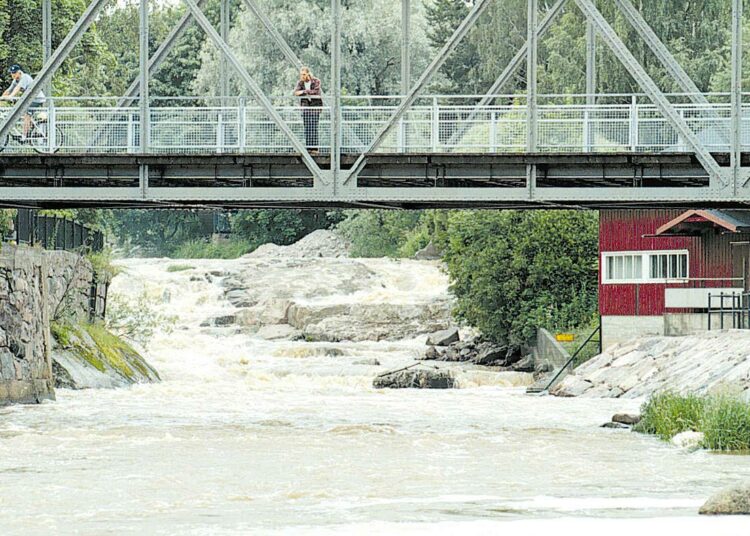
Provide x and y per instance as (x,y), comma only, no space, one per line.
(645,278)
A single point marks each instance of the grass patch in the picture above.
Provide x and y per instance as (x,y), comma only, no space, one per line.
(667,414)
(201,249)
(179,267)
(726,424)
(723,419)
(101,261)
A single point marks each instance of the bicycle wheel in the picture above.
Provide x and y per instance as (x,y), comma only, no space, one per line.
(40,140)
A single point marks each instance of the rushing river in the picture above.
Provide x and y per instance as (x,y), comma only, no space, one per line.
(246,435)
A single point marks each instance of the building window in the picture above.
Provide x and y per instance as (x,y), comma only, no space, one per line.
(644,266)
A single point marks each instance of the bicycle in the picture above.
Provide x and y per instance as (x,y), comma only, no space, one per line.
(38,136)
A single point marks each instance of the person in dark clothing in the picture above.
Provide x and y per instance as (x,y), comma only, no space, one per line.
(308,87)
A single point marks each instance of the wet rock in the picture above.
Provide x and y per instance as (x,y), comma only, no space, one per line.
(428,253)
(443,338)
(417,377)
(571,386)
(279,332)
(615,425)
(734,500)
(689,440)
(626,418)
(526,364)
(491,355)
(367,362)
(219,321)
(431,354)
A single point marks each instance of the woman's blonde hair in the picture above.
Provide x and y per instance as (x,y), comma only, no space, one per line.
(307,70)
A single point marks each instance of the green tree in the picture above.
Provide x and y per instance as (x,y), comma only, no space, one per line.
(281,226)
(514,271)
(379,233)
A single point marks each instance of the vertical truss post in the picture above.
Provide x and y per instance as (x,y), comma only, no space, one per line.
(405,46)
(258,93)
(51,65)
(606,32)
(590,63)
(336,90)
(47,39)
(736,142)
(590,85)
(145,118)
(532,111)
(424,79)
(144,78)
(223,66)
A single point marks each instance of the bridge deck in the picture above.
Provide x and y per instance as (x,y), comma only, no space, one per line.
(402,180)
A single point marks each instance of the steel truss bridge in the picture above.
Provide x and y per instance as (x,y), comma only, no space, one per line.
(410,150)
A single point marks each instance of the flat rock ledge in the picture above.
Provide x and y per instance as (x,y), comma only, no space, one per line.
(416,377)
(698,364)
(734,500)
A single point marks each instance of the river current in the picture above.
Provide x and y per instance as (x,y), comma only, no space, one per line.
(251,436)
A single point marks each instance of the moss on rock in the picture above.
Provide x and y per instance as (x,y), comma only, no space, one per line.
(92,356)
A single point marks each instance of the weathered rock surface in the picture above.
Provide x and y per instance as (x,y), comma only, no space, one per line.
(279,332)
(730,501)
(616,425)
(89,357)
(367,362)
(696,364)
(417,377)
(428,253)
(319,243)
(478,352)
(336,298)
(626,418)
(443,337)
(689,440)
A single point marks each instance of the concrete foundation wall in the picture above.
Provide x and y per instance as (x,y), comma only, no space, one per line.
(620,329)
(677,325)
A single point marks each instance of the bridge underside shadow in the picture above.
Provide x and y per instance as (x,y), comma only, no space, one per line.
(597,180)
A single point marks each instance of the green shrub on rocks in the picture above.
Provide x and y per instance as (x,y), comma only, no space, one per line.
(724,420)
(726,424)
(667,414)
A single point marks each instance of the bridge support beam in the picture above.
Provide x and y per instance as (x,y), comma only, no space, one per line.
(336,91)
(52,64)
(260,96)
(618,47)
(47,39)
(738,180)
(532,112)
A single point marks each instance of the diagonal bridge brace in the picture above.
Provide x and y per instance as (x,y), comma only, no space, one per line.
(618,47)
(263,100)
(52,64)
(510,70)
(419,86)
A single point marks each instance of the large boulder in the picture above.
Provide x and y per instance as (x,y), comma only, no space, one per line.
(417,377)
(734,500)
(443,337)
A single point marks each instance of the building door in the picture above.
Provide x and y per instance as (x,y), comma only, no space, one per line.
(741,264)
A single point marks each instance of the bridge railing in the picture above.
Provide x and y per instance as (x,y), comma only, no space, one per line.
(439,124)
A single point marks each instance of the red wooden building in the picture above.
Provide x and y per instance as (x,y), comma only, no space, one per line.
(658,267)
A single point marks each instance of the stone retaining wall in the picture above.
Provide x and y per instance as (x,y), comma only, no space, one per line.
(35,286)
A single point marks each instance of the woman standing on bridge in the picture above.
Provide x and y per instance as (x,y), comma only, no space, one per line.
(308,86)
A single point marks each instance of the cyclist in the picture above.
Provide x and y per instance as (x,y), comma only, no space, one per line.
(21,82)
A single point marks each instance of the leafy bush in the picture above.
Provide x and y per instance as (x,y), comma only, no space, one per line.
(668,414)
(136,319)
(515,271)
(202,249)
(378,233)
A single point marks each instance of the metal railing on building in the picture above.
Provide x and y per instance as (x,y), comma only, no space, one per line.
(732,308)
(56,233)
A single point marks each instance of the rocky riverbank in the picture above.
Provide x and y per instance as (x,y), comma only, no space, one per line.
(698,364)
